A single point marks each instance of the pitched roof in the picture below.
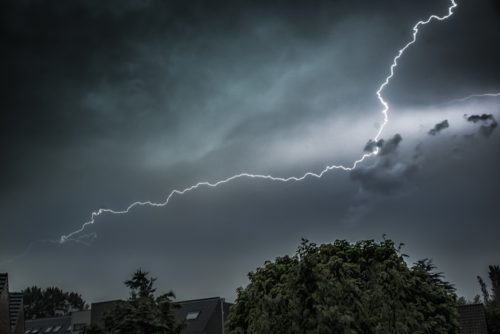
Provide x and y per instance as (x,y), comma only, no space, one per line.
(58,325)
(15,306)
(201,309)
(472,319)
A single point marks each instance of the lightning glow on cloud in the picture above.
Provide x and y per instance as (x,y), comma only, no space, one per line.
(76,235)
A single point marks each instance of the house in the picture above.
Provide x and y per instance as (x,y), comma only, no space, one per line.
(75,323)
(11,308)
(98,310)
(200,316)
(203,316)
(472,319)
(58,325)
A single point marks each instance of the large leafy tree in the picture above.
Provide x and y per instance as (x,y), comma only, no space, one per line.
(365,287)
(142,313)
(50,302)
(492,299)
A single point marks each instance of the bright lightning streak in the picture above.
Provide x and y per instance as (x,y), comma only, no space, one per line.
(73,236)
(99,212)
(416,27)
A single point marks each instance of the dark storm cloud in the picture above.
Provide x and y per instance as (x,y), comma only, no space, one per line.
(390,146)
(487,121)
(438,127)
(371,145)
(487,130)
(99,86)
(389,173)
(84,75)
(386,147)
(480,118)
(105,103)
(450,55)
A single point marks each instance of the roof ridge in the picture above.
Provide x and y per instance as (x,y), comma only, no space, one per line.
(475,304)
(108,301)
(197,300)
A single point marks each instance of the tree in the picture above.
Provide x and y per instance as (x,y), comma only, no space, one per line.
(50,302)
(365,287)
(142,313)
(463,301)
(492,300)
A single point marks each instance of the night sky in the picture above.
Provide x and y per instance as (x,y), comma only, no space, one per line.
(107,103)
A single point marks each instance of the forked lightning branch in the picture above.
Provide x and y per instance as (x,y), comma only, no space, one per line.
(76,235)
(80,237)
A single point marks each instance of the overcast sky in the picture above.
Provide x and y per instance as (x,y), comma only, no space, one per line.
(107,103)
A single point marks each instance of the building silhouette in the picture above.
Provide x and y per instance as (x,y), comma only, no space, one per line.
(11,308)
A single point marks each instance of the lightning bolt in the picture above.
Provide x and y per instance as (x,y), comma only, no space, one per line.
(74,236)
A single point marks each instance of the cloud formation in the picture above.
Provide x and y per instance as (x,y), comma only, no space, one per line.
(480,118)
(389,173)
(439,127)
(487,121)
(371,145)
(112,102)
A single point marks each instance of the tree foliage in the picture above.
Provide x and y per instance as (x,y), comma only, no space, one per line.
(142,313)
(492,299)
(365,287)
(50,302)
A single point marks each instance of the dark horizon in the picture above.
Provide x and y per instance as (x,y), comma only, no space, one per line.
(110,103)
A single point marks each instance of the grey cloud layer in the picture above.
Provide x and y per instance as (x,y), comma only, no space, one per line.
(105,103)
(389,172)
(487,121)
(439,127)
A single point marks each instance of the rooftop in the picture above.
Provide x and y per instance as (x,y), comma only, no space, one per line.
(472,319)
(197,313)
(59,325)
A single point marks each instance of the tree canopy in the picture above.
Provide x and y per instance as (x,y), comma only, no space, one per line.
(492,299)
(142,313)
(365,287)
(50,302)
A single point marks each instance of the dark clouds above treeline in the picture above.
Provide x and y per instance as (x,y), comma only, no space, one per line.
(104,103)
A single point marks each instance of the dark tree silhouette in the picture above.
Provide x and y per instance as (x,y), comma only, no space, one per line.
(142,313)
(492,299)
(50,302)
(365,287)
